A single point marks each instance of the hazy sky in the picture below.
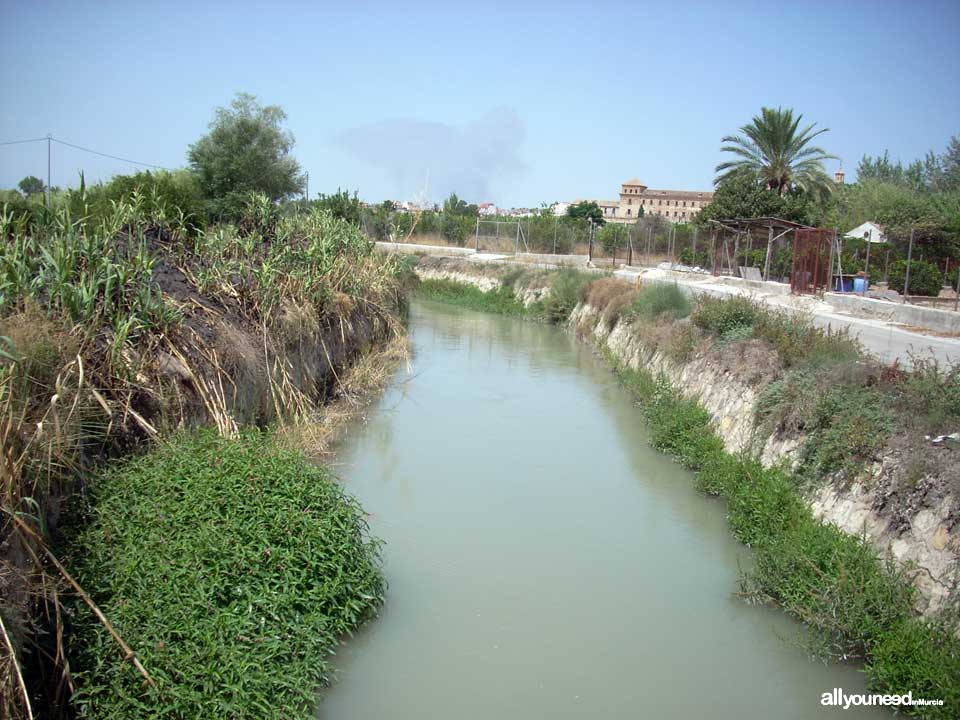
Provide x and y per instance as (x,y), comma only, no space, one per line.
(517,103)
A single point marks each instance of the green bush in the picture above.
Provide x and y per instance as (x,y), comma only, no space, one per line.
(904,657)
(456,228)
(925,278)
(700,258)
(567,288)
(721,315)
(859,606)
(501,300)
(160,195)
(848,426)
(659,300)
(233,568)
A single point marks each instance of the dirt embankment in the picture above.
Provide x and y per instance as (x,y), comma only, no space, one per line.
(235,356)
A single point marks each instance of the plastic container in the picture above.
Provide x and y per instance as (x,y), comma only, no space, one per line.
(860,284)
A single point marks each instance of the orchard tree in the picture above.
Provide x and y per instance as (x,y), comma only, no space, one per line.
(456,206)
(247,150)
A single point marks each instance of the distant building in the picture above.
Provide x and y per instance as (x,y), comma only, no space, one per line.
(678,206)
(869,231)
(486,209)
(840,176)
(560,208)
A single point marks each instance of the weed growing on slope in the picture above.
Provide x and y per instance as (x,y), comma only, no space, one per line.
(660,300)
(859,606)
(234,567)
(500,300)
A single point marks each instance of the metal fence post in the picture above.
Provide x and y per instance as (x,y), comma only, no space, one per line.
(956,300)
(866,267)
(906,280)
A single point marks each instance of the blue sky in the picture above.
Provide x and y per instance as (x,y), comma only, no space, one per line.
(517,103)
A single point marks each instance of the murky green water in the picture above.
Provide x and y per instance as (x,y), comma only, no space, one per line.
(543,560)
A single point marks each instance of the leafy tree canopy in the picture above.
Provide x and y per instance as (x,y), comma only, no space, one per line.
(453,205)
(744,194)
(933,173)
(31,185)
(342,205)
(586,210)
(247,150)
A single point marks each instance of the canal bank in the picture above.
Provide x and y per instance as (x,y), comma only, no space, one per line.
(543,559)
(847,509)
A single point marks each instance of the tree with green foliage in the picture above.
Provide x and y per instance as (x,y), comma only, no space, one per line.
(925,278)
(743,194)
(246,151)
(934,173)
(31,185)
(774,147)
(341,205)
(455,206)
(586,210)
(613,237)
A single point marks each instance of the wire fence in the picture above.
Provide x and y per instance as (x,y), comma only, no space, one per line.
(892,269)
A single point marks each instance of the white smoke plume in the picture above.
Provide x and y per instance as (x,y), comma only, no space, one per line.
(417,155)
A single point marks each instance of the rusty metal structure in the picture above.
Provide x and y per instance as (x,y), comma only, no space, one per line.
(812,260)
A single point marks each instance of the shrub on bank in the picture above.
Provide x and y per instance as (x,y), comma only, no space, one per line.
(567,289)
(233,567)
(501,300)
(660,300)
(859,606)
(925,278)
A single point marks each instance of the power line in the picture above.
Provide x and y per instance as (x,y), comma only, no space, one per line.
(21,142)
(86,149)
(107,155)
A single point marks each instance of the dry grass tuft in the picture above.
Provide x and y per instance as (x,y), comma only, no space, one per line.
(317,432)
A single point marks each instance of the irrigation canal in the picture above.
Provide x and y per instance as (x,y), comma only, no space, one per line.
(543,560)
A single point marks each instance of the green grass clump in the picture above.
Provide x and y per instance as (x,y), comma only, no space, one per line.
(659,300)
(794,336)
(567,289)
(233,568)
(500,300)
(721,315)
(859,606)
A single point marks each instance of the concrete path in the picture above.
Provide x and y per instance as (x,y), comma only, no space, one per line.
(888,341)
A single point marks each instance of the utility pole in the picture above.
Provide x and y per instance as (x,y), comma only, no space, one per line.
(866,268)
(47,196)
(307,188)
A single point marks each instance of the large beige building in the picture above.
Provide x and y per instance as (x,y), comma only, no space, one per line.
(673,205)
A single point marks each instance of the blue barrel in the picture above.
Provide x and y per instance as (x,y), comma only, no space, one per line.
(860,284)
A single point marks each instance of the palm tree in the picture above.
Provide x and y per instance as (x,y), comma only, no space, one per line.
(778,153)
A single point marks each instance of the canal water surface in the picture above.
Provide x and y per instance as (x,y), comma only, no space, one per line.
(543,560)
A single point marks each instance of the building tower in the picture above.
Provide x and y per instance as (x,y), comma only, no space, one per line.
(839,176)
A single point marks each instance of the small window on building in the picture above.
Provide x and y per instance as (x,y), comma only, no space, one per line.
(628,212)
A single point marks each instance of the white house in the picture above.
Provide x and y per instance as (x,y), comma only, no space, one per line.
(560,208)
(869,231)
(487,209)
